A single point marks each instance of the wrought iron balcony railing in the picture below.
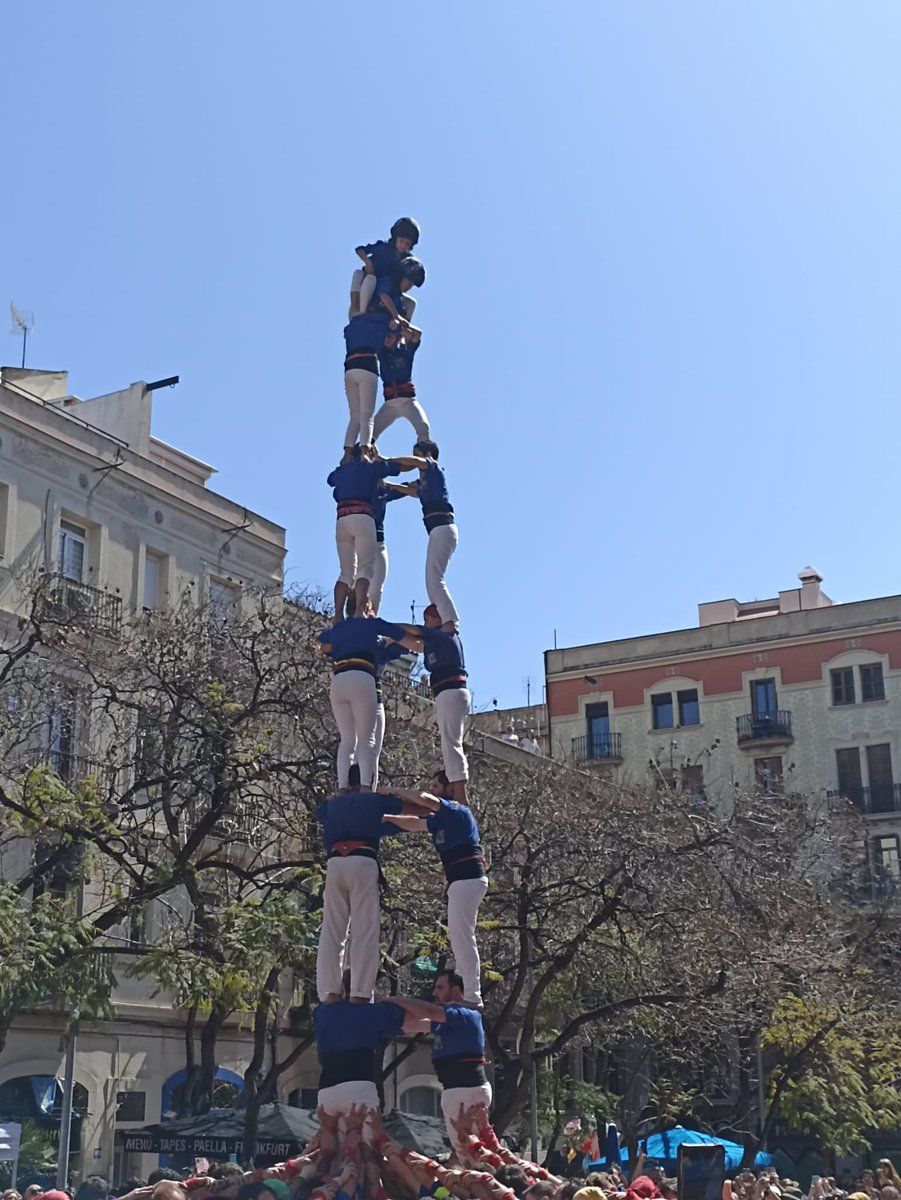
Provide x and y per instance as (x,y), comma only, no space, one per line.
(597,746)
(875,799)
(763,727)
(78,604)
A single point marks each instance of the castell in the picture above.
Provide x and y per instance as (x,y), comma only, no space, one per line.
(351,1155)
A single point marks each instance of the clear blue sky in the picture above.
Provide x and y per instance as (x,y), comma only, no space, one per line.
(662,351)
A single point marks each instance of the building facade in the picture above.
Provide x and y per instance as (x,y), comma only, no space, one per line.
(124,523)
(794,692)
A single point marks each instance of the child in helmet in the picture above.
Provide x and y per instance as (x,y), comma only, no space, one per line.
(391,293)
(381,259)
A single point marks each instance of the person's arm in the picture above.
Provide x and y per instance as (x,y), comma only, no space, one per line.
(413,1025)
(408,462)
(422,1010)
(420,799)
(388,303)
(409,643)
(407,822)
(363,253)
(403,489)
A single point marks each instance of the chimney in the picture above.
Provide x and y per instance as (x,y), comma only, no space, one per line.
(811,596)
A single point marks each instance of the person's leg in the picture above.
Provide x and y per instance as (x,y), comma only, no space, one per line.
(347,554)
(352,390)
(379,739)
(415,414)
(379,575)
(367,389)
(365,547)
(364,702)
(367,291)
(451,711)
(333,934)
(463,899)
(442,544)
(340,694)
(387,415)
(342,591)
(356,281)
(364,927)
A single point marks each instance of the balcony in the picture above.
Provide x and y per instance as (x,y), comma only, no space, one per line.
(754,730)
(71,602)
(599,747)
(875,800)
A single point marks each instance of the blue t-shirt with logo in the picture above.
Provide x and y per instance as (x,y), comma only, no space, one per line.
(357,817)
(461,1033)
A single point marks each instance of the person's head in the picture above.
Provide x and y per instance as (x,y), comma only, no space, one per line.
(431,616)
(569,1188)
(598,1179)
(867,1177)
(541,1191)
(513,1178)
(669,1187)
(33,1189)
(159,1173)
(265,1189)
(426,448)
(656,1175)
(439,784)
(404,234)
(448,988)
(11,1194)
(226,1170)
(95,1187)
(888,1192)
(129,1185)
(169,1189)
(411,273)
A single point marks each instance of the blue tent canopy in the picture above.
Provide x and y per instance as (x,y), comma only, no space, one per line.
(664,1148)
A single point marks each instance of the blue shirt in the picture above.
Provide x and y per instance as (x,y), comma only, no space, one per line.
(461,1033)
(357,817)
(432,487)
(387,654)
(358,637)
(452,826)
(360,480)
(442,652)
(396,363)
(383,256)
(345,1026)
(388,285)
(383,498)
(367,333)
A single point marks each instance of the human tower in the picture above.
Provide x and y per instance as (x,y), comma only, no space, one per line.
(351,1155)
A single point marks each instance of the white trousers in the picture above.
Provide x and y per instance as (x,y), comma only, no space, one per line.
(361,388)
(355,706)
(351,907)
(365,285)
(378,576)
(379,738)
(463,899)
(451,711)
(402,406)
(341,1097)
(453,1099)
(442,543)
(355,538)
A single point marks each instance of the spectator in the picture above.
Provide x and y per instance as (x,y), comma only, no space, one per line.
(530,743)
(168,1189)
(513,1178)
(11,1194)
(570,1187)
(159,1173)
(33,1189)
(540,1191)
(510,735)
(886,1175)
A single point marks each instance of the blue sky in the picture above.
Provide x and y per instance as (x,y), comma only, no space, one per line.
(661,350)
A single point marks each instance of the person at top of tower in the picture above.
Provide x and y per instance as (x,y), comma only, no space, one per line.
(440,522)
(458,1054)
(355,484)
(399,391)
(442,652)
(455,835)
(381,259)
(391,293)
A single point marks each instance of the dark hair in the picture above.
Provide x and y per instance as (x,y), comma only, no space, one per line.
(454,980)
(441,776)
(158,1174)
(225,1170)
(542,1189)
(570,1188)
(512,1177)
(598,1179)
(405,227)
(128,1185)
(411,268)
(427,447)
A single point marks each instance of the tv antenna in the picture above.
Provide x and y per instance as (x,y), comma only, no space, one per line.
(23,323)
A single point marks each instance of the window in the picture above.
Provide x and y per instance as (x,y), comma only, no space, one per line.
(130,1106)
(421,1101)
(882,784)
(872,685)
(4,519)
(843,686)
(886,864)
(850,781)
(152,572)
(763,698)
(597,717)
(73,544)
(768,774)
(222,606)
(691,780)
(689,709)
(59,737)
(662,711)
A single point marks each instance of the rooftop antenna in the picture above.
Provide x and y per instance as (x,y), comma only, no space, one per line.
(23,322)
